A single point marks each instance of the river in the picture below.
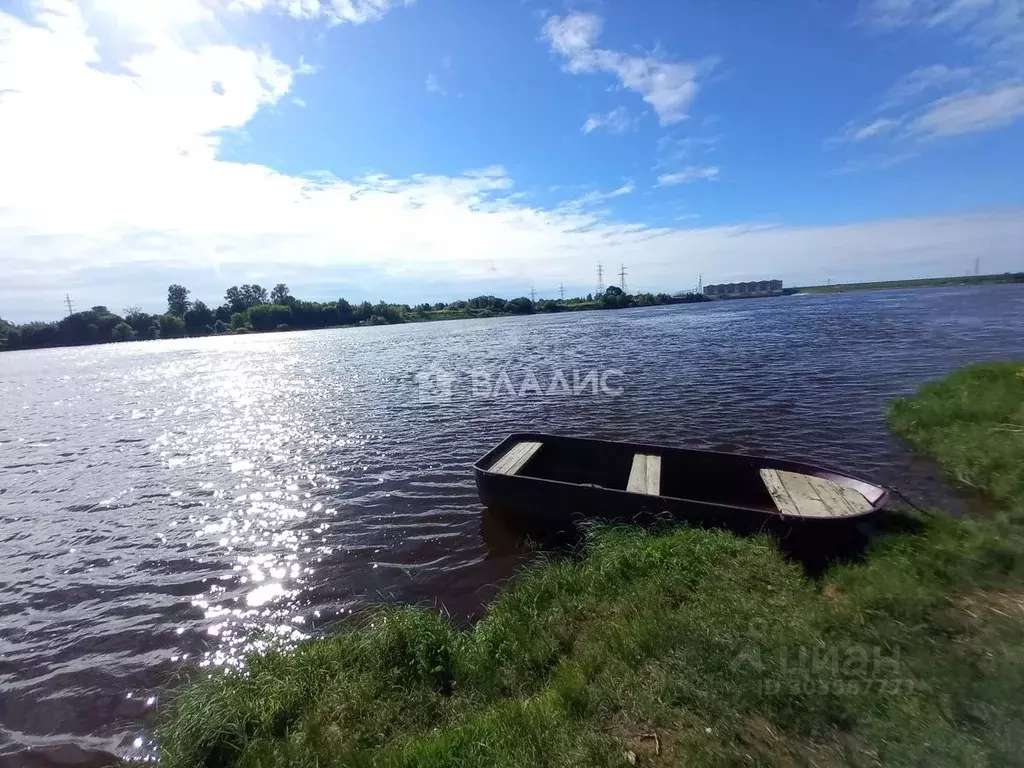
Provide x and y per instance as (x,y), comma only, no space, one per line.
(166,505)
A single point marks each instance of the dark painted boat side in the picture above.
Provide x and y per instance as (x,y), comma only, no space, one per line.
(572,479)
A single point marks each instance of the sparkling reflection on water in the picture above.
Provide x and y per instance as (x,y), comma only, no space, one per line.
(168,505)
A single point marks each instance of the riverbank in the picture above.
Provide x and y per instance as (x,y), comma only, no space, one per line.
(280,312)
(689,647)
(930,282)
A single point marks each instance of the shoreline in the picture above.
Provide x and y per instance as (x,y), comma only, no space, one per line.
(927,282)
(264,318)
(686,646)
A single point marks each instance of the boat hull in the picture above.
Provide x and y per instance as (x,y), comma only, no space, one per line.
(581,479)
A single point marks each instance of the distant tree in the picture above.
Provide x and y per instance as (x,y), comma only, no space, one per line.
(239,320)
(141,322)
(241,299)
(177,300)
(255,294)
(122,332)
(280,294)
(520,306)
(233,300)
(99,309)
(199,319)
(220,327)
(171,326)
(613,290)
(344,312)
(267,317)
(362,312)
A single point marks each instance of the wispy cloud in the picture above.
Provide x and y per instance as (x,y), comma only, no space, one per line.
(146,198)
(675,151)
(333,11)
(617,121)
(921,81)
(971,111)
(594,198)
(942,101)
(688,174)
(875,161)
(996,24)
(299,102)
(667,86)
(857,132)
(433,85)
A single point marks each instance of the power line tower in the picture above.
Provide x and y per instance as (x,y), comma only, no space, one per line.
(622,278)
(600,278)
(69,304)
(533,295)
(700,283)
(561,291)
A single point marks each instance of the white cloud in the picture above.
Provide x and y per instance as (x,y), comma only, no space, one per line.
(433,85)
(922,80)
(334,11)
(688,174)
(113,186)
(299,102)
(875,161)
(617,121)
(994,27)
(668,87)
(983,96)
(595,198)
(857,132)
(970,111)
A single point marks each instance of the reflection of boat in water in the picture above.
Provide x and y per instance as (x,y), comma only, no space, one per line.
(509,536)
(554,481)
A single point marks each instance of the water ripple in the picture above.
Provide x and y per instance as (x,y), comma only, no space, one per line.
(167,505)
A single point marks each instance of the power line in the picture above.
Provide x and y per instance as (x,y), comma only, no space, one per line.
(622,278)
(70,305)
(600,278)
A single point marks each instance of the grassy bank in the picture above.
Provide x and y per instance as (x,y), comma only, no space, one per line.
(928,282)
(690,647)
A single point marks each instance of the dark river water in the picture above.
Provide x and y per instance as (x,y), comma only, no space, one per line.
(166,506)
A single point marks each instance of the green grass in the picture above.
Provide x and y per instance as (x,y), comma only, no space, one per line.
(972,423)
(927,282)
(689,647)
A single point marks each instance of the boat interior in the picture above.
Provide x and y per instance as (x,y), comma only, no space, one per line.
(691,475)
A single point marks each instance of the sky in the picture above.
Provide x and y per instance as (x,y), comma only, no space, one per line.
(429,150)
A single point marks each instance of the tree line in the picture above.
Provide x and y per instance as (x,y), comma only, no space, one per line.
(251,308)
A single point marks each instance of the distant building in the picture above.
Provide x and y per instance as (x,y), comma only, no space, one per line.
(744,290)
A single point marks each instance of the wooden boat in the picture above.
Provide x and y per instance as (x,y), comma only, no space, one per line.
(551,480)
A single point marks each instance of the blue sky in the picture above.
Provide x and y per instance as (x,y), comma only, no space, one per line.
(437,149)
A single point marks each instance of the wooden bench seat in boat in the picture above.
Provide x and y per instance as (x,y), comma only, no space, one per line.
(807,496)
(515,458)
(645,475)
